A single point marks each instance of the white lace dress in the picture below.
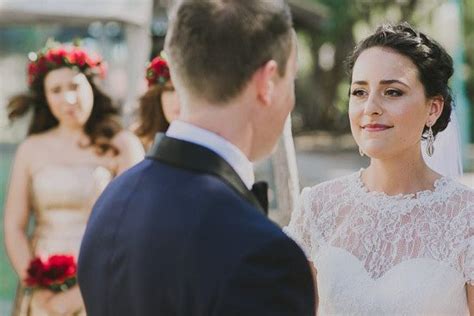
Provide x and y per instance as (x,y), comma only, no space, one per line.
(388,255)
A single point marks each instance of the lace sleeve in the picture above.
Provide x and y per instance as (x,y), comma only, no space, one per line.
(299,227)
(469,262)
(468,265)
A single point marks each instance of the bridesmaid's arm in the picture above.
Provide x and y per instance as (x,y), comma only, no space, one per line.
(470,298)
(130,150)
(17,212)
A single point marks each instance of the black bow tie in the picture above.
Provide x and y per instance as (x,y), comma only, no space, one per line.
(260,190)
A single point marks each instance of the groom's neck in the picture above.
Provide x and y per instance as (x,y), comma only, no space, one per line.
(231,120)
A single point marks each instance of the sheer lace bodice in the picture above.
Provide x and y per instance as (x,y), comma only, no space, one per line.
(379,254)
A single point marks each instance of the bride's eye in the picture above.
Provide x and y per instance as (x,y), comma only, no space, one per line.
(393,92)
(358,92)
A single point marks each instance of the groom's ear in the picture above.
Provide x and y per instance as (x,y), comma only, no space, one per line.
(264,79)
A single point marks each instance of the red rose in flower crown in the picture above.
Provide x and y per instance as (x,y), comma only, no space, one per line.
(57,273)
(55,56)
(157,71)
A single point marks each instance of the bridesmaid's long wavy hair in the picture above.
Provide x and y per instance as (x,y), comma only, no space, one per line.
(150,113)
(103,124)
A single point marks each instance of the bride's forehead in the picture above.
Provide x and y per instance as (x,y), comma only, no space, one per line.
(383,64)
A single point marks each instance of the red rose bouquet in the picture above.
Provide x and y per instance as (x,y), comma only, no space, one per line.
(57,273)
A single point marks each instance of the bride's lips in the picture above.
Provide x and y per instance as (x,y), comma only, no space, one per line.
(375,127)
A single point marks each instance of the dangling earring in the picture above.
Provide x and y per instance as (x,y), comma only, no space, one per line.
(361,153)
(430,142)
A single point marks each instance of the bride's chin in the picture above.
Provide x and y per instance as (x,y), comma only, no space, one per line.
(378,153)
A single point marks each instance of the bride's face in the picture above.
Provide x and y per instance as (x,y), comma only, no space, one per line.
(387,107)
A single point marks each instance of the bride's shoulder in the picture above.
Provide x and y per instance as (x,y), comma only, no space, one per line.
(459,190)
(459,195)
(330,190)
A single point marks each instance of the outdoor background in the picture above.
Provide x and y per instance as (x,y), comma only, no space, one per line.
(131,31)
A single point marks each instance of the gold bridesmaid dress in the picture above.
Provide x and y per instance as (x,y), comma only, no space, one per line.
(62,199)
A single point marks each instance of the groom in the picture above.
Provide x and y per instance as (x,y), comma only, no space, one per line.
(181,233)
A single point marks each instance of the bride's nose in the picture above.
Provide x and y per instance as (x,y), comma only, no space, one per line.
(372,105)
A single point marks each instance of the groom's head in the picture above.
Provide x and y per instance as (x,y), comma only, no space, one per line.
(222,50)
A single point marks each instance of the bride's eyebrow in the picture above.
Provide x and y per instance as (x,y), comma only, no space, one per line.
(390,81)
(360,82)
(383,82)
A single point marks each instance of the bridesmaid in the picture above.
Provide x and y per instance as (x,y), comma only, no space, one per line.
(159,106)
(75,146)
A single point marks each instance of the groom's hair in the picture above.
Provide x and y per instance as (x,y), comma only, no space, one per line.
(215,46)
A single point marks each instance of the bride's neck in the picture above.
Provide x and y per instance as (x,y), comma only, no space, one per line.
(403,174)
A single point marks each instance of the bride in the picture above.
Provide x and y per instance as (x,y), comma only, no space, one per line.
(396,238)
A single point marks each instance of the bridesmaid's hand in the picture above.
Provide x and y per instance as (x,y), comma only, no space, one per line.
(42,297)
(65,303)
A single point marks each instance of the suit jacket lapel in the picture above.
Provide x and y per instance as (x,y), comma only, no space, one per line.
(186,155)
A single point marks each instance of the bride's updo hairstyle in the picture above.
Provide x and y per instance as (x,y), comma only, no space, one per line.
(434,64)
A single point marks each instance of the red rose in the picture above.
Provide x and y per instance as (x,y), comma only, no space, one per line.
(59,268)
(35,68)
(157,71)
(56,55)
(64,262)
(93,60)
(160,67)
(35,272)
(78,57)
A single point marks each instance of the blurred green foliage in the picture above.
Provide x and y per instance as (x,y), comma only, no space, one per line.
(468,15)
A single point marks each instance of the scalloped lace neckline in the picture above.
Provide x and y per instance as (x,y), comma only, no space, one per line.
(439,185)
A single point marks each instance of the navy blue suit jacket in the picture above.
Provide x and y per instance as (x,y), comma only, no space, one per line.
(180,234)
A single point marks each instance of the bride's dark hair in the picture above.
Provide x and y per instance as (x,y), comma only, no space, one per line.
(434,64)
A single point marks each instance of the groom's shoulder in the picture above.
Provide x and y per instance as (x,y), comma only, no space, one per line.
(148,174)
(165,182)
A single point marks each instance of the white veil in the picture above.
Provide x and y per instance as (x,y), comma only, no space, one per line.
(447,158)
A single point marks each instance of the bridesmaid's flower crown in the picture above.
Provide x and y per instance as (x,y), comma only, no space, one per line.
(157,72)
(55,55)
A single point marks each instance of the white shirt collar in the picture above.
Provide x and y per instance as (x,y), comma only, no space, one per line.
(228,151)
